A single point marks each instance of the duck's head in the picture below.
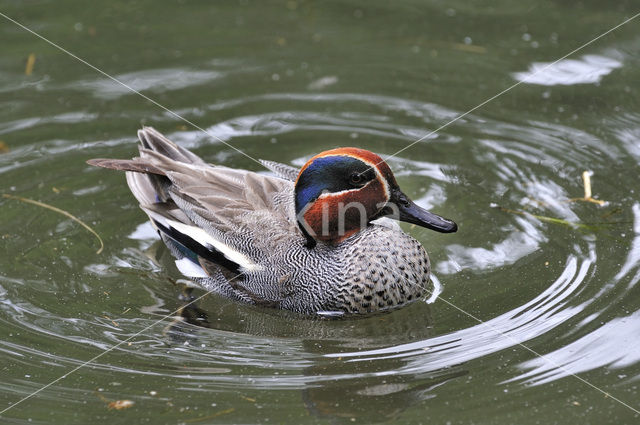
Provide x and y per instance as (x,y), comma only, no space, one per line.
(339,191)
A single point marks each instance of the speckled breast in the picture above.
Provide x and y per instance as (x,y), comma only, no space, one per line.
(384,269)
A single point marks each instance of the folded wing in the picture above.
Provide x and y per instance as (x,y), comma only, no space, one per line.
(208,215)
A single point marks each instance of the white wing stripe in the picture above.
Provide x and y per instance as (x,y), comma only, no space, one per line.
(189,268)
(206,240)
(157,217)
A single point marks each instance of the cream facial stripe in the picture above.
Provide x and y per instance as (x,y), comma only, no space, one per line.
(372,165)
(328,194)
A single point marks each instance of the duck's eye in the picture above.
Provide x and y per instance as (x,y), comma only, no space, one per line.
(356,179)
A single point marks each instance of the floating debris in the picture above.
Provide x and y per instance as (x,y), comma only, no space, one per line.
(59,211)
(31,61)
(586,180)
(120,404)
(112,321)
(114,405)
(544,218)
(323,82)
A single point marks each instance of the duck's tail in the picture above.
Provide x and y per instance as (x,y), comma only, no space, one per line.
(147,180)
(153,140)
(199,254)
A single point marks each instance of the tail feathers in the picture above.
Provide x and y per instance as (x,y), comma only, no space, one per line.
(146,175)
(148,188)
(153,140)
(137,165)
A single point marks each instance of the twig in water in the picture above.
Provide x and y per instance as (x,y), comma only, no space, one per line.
(586,179)
(59,211)
(544,218)
(31,61)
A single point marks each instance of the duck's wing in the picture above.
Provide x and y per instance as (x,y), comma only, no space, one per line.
(235,207)
(283,171)
(211,217)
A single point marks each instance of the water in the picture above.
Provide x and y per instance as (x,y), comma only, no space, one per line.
(537,321)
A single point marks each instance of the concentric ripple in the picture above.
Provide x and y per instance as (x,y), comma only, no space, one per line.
(522,282)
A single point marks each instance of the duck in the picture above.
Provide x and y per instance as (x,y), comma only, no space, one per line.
(319,240)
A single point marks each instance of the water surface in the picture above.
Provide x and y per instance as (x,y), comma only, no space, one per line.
(538,319)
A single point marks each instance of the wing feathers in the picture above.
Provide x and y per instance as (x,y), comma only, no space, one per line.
(203,243)
(216,220)
(283,171)
(189,268)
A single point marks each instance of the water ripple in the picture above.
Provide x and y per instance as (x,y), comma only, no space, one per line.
(500,266)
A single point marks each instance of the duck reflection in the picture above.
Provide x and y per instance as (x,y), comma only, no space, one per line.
(340,390)
(320,334)
(337,389)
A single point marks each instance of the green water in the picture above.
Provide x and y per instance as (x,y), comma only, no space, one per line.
(537,322)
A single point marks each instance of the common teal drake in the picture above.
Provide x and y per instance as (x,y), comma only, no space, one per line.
(314,240)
